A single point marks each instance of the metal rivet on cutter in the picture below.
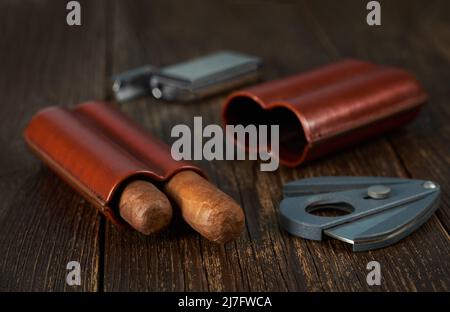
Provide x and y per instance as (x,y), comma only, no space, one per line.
(429,185)
(401,207)
(378,191)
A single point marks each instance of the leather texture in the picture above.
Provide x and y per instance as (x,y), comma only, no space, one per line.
(329,108)
(97,150)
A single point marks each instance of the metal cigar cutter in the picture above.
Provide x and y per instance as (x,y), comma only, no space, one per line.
(380,211)
(189,80)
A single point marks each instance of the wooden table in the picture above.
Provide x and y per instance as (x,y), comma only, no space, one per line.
(44,224)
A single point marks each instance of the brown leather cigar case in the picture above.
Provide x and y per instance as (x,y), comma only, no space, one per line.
(326,109)
(97,150)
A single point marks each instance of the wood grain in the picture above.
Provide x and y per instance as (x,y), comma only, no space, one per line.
(265,257)
(425,51)
(44,224)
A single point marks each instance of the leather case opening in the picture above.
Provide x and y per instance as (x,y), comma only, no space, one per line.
(96,149)
(329,108)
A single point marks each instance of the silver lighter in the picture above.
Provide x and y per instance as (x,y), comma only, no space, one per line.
(189,80)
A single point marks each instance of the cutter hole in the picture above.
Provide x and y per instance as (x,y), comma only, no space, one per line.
(330,210)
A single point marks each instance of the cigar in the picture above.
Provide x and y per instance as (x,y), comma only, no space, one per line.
(145,207)
(208,210)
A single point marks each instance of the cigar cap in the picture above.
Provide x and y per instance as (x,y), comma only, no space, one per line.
(145,207)
(207,209)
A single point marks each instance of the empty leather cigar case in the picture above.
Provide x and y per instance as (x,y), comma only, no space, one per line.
(99,151)
(329,108)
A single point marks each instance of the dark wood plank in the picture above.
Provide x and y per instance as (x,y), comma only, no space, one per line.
(44,224)
(190,262)
(421,47)
(430,140)
(290,38)
(337,268)
(400,41)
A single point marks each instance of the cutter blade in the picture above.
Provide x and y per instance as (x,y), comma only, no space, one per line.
(374,220)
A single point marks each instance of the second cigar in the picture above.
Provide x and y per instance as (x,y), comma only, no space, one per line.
(208,210)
